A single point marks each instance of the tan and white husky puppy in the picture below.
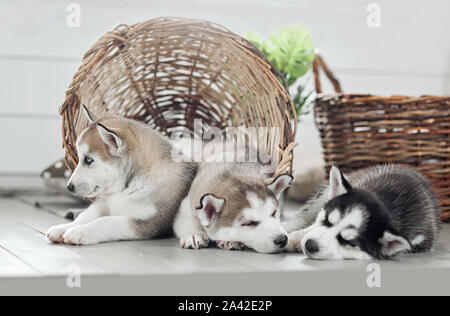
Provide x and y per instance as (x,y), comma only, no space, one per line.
(129,171)
(230,204)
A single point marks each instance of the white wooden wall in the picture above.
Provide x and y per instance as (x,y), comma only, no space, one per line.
(39,53)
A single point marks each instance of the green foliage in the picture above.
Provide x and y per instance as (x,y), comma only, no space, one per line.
(302,100)
(290,49)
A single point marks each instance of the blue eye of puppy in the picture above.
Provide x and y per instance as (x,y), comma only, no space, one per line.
(88,160)
(251,224)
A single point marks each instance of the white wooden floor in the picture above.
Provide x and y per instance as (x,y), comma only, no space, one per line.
(31,264)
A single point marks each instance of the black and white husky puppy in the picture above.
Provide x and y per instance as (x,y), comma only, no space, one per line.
(373,213)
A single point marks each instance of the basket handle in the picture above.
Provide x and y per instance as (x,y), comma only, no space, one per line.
(317,65)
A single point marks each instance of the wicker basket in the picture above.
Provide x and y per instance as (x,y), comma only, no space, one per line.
(168,72)
(362,130)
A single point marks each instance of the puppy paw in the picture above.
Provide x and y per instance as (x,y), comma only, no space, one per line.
(295,242)
(230,245)
(80,236)
(195,241)
(56,233)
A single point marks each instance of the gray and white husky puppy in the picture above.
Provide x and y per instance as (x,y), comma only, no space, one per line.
(229,203)
(373,213)
(129,171)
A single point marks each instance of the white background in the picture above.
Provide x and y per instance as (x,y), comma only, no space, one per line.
(39,53)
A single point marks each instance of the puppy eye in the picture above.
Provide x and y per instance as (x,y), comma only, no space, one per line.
(342,241)
(251,224)
(88,160)
(274,214)
(327,223)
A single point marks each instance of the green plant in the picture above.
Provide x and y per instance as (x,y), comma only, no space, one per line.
(290,49)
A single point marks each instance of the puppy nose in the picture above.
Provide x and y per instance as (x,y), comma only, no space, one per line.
(71,187)
(281,241)
(311,247)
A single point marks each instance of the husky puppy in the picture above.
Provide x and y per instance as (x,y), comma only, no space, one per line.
(128,169)
(230,204)
(374,213)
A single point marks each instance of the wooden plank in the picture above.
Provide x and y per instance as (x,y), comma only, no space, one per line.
(20,182)
(407,282)
(11,266)
(50,260)
(382,84)
(339,27)
(56,204)
(33,144)
(154,257)
(32,247)
(119,258)
(34,87)
(17,212)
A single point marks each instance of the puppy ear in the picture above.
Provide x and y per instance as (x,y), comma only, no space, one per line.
(210,207)
(392,244)
(281,183)
(338,183)
(114,143)
(88,114)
